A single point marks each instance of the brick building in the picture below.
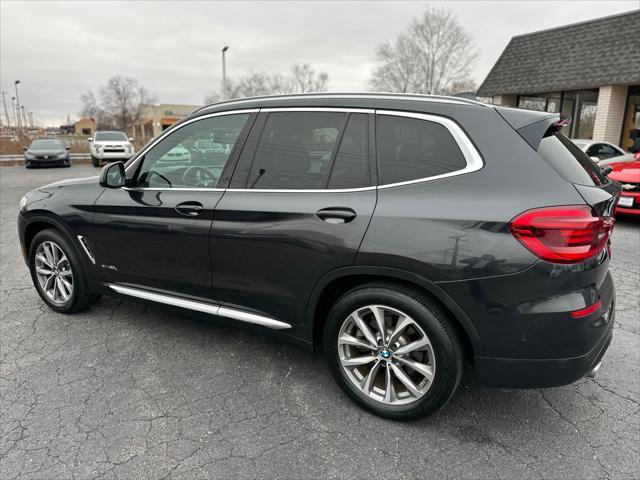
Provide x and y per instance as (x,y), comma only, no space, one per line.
(589,71)
(156,118)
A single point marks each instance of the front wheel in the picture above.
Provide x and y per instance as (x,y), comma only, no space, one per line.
(393,351)
(95,161)
(57,273)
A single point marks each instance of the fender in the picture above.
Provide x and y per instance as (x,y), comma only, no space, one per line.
(343,272)
(43,216)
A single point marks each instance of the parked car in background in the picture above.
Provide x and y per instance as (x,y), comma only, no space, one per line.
(208,151)
(400,234)
(598,150)
(47,153)
(177,154)
(626,170)
(110,146)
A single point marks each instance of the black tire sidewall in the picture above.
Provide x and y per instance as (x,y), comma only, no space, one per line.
(446,347)
(94,161)
(78,295)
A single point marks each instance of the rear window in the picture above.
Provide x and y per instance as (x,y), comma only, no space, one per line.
(569,161)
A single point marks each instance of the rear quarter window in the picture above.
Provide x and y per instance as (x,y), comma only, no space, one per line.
(569,161)
(412,149)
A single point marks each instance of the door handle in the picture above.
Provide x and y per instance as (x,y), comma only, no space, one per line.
(190,209)
(336,215)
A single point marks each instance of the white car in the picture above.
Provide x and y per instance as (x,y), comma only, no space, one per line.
(110,146)
(598,150)
(177,154)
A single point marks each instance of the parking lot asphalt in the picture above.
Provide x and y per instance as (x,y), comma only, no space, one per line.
(129,390)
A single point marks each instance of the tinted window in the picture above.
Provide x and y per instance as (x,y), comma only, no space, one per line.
(110,137)
(351,165)
(46,145)
(295,150)
(176,161)
(409,149)
(569,161)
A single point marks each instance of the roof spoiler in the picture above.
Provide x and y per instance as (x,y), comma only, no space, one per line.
(531,125)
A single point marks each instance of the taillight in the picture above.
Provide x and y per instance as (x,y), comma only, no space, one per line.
(567,234)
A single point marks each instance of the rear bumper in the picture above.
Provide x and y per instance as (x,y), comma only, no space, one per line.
(533,373)
(632,210)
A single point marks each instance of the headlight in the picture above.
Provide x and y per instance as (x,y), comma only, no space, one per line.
(22,202)
(97,147)
(62,155)
(28,155)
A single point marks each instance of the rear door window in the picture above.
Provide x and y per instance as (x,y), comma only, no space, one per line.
(569,161)
(295,150)
(411,149)
(350,168)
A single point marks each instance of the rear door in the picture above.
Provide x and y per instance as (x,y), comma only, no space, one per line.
(297,208)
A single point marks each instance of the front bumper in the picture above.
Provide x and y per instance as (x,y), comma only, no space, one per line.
(50,162)
(111,157)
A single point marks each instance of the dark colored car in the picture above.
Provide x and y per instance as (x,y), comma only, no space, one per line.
(626,171)
(47,153)
(402,235)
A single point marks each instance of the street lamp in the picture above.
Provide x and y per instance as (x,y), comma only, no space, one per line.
(224,72)
(15,84)
(15,112)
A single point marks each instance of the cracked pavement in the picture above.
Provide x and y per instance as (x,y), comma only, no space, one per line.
(130,390)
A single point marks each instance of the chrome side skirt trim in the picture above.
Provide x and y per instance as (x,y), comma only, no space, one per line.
(201,307)
(83,244)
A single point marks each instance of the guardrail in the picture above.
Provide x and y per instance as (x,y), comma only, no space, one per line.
(14,160)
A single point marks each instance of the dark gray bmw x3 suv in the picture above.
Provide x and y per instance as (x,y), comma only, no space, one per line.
(401,234)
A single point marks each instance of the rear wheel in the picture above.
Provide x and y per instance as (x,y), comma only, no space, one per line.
(393,351)
(57,273)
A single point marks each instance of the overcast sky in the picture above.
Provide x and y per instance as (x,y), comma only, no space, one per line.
(60,49)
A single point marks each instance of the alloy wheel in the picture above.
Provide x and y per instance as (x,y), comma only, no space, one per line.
(386,355)
(54,272)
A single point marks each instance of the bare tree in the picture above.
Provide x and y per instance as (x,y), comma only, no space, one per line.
(435,54)
(301,79)
(121,103)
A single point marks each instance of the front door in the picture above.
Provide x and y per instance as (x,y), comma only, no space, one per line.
(297,208)
(154,234)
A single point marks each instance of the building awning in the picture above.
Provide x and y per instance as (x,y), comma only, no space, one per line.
(605,51)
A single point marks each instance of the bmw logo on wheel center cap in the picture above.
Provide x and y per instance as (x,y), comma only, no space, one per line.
(384,353)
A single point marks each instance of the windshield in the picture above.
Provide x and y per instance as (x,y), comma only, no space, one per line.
(47,145)
(110,137)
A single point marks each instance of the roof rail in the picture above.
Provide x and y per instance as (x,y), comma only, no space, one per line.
(381,95)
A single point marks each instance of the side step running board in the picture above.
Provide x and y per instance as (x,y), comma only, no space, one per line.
(201,307)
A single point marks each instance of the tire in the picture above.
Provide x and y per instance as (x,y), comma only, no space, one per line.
(441,356)
(79,297)
(95,161)
(27,165)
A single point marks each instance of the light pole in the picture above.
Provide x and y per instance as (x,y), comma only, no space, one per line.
(15,84)
(224,72)
(6,113)
(15,112)
(25,124)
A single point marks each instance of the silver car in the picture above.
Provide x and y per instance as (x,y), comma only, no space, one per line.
(110,146)
(598,150)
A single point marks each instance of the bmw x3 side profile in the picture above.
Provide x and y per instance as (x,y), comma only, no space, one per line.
(401,235)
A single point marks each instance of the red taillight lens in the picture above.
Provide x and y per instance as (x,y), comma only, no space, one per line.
(583,312)
(567,234)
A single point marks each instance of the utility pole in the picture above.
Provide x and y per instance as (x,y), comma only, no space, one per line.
(224,72)
(6,113)
(14,110)
(15,84)
(31,119)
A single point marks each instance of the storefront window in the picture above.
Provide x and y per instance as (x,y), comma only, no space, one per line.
(549,102)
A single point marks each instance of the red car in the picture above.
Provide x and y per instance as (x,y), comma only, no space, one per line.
(626,170)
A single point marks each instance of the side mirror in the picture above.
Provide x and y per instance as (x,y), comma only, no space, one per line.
(595,159)
(131,139)
(89,139)
(24,149)
(113,175)
(68,147)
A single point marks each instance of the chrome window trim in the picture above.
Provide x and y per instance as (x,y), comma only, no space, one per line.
(469,151)
(172,129)
(203,307)
(81,240)
(317,109)
(177,189)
